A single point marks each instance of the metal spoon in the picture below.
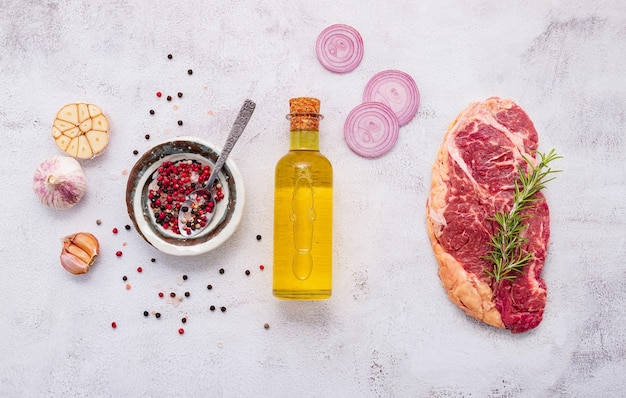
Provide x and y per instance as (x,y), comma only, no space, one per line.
(186,213)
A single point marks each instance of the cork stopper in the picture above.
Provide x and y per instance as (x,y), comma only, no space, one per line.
(304,113)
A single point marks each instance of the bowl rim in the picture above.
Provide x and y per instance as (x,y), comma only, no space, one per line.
(135,207)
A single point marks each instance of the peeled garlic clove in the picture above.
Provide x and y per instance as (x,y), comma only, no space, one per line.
(79,252)
(59,182)
(81,130)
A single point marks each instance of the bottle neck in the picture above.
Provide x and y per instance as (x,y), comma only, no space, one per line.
(304,131)
(304,140)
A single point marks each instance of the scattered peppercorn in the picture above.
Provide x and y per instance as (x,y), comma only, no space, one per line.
(180,122)
(169,97)
(158,94)
(223,309)
(180,94)
(98,221)
(135,152)
(184,277)
(160,294)
(118,253)
(152,111)
(127,227)
(181,331)
(212,308)
(114,230)
(169,56)
(139,269)
(189,72)
(221,270)
(261,267)
(247,272)
(209,287)
(113,325)
(146,313)
(124,278)
(172,294)
(266,326)
(158,314)
(258,237)
(184,320)
(153,259)
(187,294)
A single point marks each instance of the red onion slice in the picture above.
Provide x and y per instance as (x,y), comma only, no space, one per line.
(397,90)
(339,48)
(371,129)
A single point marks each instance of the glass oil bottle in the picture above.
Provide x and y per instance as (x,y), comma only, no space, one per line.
(303,202)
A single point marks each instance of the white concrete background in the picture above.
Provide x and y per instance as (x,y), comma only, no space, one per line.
(389,330)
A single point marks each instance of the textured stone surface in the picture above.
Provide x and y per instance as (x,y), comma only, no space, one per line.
(389,330)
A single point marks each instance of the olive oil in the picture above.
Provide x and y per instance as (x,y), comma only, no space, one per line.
(303,197)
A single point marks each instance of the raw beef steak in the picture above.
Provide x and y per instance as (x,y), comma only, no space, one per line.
(473,178)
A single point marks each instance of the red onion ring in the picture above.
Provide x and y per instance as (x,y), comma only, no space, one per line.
(371,129)
(339,48)
(395,89)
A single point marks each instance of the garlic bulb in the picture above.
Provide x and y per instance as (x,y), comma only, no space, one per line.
(79,252)
(59,182)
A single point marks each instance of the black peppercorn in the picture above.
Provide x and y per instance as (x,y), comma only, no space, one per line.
(153,259)
(223,309)
(127,227)
(152,111)
(189,72)
(169,56)
(187,294)
(258,237)
(147,136)
(209,287)
(184,320)
(212,308)
(169,97)
(158,314)
(247,272)
(180,122)
(146,313)
(124,278)
(172,294)
(180,94)
(184,277)
(135,152)
(221,270)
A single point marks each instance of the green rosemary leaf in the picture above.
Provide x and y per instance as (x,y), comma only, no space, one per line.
(508,257)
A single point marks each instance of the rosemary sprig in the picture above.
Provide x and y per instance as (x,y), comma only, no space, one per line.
(507,255)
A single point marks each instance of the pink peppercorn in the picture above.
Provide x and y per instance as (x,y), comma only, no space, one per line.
(139,269)
(118,253)
(158,94)
(160,294)
(113,325)
(114,230)
(181,331)
(262,267)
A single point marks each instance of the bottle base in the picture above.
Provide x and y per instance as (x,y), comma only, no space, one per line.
(302,294)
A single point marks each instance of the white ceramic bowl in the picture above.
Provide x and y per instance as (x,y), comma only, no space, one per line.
(227,213)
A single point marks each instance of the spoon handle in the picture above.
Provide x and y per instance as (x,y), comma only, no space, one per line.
(244,115)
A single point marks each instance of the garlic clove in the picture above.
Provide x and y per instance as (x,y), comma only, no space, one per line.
(71,248)
(79,252)
(87,242)
(73,265)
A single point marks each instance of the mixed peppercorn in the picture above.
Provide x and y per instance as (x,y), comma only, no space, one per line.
(173,183)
